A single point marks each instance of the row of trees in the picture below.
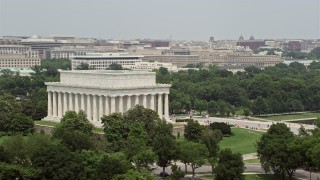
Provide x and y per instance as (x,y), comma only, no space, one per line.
(279,89)
(132,143)
(280,151)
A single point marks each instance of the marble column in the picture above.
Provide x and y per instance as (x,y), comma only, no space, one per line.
(136,100)
(65,103)
(49,104)
(95,108)
(160,106)
(113,105)
(121,104)
(55,104)
(166,106)
(152,102)
(106,107)
(76,102)
(144,101)
(89,108)
(100,107)
(82,103)
(60,105)
(128,102)
(71,102)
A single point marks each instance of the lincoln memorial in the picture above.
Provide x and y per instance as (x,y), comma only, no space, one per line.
(102,92)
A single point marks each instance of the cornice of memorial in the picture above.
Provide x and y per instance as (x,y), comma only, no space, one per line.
(58,84)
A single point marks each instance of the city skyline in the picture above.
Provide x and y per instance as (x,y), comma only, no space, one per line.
(179,20)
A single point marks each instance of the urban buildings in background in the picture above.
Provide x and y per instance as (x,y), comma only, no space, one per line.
(18,56)
(234,55)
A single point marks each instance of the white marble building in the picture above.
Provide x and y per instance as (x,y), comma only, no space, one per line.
(102,92)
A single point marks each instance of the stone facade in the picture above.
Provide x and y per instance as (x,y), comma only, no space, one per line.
(104,92)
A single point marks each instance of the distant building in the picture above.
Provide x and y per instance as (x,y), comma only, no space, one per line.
(178,60)
(238,63)
(156,43)
(252,44)
(149,66)
(68,51)
(294,46)
(101,61)
(17,56)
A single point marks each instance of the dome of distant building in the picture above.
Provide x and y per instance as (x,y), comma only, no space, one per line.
(241,38)
(251,38)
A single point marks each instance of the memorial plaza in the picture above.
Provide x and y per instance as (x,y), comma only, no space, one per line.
(102,92)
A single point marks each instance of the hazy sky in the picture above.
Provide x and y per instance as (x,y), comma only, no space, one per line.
(160,19)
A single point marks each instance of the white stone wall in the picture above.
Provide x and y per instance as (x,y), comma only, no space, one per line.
(109,79)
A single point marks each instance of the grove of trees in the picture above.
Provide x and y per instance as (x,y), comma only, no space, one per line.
(279,89)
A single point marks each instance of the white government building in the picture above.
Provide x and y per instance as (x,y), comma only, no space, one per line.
(101,61)
(102,92)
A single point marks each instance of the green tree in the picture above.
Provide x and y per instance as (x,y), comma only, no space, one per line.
(177,173)
(230,166)
(194,154)
(164,144)
(111,165)
(115,66)
(275,153)
(201,105)
(193,130)
(13,171)
(57,162)
(21,124)
(83,66)
(246,112)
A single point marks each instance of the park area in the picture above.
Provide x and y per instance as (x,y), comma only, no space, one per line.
(242,140)
(293,116)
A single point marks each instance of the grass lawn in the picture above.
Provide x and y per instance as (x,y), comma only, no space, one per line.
(251,161)
(293,116)
(242,141)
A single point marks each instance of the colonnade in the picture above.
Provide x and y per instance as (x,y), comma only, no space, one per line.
(96,106)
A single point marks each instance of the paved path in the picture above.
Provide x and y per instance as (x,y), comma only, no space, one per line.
(259,125)
(249,167)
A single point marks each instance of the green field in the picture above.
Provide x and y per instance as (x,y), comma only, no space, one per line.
(293,116)
(242,141)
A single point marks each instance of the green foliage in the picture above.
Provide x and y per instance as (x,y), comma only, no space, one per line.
(111,165)
(246,112)
(230,166)
(275,152)
(83,66)
(56,63)
(10,171)
(223,127)
(76,121)
(132,174)
(193,130)
(57,162)
(164,144)
(177,173)
(21,124)
(194,154)
(115,66)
